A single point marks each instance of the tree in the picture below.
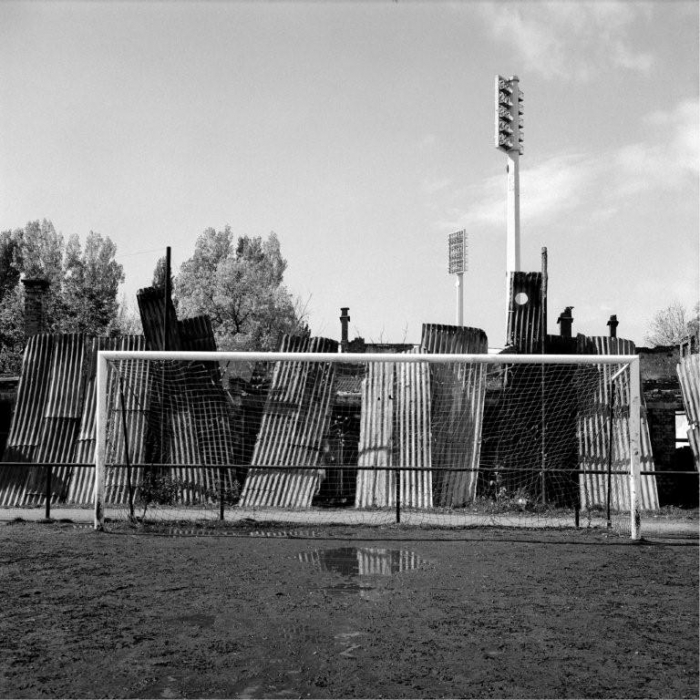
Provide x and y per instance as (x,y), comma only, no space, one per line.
(127,321)
(159,274)
(240,287)
(91,279)
(671,325)
(83,285)
(9,274)
(12,336)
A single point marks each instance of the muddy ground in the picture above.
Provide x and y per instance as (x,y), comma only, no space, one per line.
(346,613)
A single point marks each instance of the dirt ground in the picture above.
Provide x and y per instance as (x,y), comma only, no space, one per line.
(346,613)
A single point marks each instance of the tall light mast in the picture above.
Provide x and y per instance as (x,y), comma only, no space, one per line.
(509,139)
(458,263)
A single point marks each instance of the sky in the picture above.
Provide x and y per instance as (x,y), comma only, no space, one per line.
(362,134)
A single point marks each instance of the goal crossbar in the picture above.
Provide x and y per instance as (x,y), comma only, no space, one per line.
(631,361)
(362,358)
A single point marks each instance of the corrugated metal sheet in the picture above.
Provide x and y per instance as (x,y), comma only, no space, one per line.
(24,437)
(689,376)
(55,411)
(190,419)
(593,430)
(26,428)
(151,302)
(197,334)
(395,432)
(525,312)
(294,423)
(457,409)
(376,446)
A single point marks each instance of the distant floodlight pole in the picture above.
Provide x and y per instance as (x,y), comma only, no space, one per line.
(509,139)
(457,265)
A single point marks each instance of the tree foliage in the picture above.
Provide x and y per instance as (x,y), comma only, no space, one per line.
(239,285)
(671,325)
(83,284)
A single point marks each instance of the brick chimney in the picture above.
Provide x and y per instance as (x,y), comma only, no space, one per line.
(34,295)
(344,320)
(565,321)
(613,323)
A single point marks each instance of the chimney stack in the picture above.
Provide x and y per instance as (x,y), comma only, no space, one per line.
(34,294)
(613,323)
(344,320)
(565,322)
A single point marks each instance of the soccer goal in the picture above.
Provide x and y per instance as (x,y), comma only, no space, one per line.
(416,439)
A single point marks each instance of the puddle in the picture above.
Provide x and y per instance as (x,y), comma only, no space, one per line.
(363,561)
(353,562)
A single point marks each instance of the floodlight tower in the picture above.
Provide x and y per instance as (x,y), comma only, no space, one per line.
(457,253)
(509,139)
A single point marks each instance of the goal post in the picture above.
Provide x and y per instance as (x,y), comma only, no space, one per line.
(429,439)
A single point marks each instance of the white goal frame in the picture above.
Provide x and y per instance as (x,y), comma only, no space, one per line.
(105,356)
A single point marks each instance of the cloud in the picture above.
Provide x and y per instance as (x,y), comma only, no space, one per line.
(566,182)
(547,189)
(570,39)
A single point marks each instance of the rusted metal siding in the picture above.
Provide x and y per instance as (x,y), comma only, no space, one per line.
(525,312)
(295,421)
(689,376)
(457,408)
(394,433)
(593,428)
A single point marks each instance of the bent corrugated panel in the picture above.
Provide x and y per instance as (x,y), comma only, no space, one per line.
(593,428)
(412,434)
(294,424)
(51,389)
(525,312)
(375,487)
(26,427)
(395,432)
(151,303)
(56,412)
(689,376)
(457,394)
(82,483)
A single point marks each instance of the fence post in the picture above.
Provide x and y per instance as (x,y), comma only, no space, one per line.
(47,514)
(221,493)
(397,481)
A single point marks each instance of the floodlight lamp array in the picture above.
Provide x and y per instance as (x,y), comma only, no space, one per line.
(509,115)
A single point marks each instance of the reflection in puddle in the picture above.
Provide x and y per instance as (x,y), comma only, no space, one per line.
(363,561)
(360,561)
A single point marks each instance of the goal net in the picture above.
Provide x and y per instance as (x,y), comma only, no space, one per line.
(371,439)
